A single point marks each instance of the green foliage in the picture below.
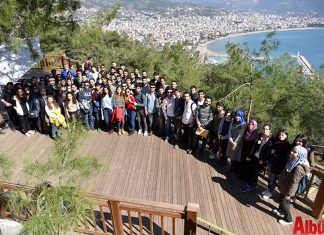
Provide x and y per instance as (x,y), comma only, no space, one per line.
(25,19)
(49,210)
(58,206)
(174,63)
(280,92)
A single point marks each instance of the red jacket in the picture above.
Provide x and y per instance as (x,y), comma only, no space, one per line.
(129,105)
(117,115)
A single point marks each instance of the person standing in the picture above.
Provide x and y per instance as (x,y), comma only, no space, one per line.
(151,109)
(7,99)
(223,136)
(214,145)
(178,112)
(119,108)
(85,102)
(141,110)
(260,156)
(169,109)
(131,111)
(107,108)
(204,118)
(160,113)
(279,154)
(21,106)
(249,139)
(188,121)
(297,166)
(235,135)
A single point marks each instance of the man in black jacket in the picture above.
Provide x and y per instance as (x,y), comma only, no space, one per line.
(141,109)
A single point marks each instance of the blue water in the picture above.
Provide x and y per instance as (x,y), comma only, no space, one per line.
(309,42)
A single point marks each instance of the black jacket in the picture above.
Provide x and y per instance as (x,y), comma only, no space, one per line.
(265,151)
(279,157)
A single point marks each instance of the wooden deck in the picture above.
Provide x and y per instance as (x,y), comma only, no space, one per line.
(150,169)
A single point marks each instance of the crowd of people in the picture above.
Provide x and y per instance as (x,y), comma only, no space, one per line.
(128,102)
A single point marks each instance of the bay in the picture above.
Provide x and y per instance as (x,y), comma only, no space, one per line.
(308,42)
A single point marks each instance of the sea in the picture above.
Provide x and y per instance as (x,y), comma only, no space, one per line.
(308,42)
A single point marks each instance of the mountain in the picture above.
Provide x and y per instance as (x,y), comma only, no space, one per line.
(281,6)
(132,4)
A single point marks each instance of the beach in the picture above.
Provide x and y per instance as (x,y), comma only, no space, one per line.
(203,48)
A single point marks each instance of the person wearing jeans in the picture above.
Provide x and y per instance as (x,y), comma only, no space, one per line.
(85,102)
(279,152)
(131,111)
(151,109)
(107,108)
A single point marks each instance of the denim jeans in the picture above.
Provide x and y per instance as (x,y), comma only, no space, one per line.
(272,182)
(168,128)
(107,113)
(151,121)
(88,114)
(131,119)
(120,125)
(55,130)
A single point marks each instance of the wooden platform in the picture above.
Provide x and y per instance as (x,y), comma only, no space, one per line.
(148,168)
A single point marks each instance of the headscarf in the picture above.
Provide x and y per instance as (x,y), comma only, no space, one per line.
(241,114)
(300,159)
(251,134)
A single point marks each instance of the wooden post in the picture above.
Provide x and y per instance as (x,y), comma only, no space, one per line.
(318,205)
(190,226)
(116,218)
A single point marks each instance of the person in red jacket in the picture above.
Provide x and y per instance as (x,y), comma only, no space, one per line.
(131,110)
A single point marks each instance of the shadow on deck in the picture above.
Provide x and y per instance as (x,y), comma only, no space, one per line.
(147,168)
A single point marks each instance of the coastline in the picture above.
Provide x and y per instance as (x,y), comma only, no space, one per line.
(203,48)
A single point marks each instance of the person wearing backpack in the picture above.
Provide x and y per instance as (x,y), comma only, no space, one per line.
(204,119)
(188,121)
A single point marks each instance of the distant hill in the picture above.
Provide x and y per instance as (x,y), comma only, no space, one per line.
(282,6)
(132,4)
(278,6)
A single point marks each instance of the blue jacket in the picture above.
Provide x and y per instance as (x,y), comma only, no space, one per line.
(64,73)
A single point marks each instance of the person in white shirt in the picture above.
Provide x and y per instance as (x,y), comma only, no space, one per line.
(94,73)
(188,121)
(201,98)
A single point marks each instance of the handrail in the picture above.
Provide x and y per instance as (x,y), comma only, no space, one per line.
(212,227)
(115,206)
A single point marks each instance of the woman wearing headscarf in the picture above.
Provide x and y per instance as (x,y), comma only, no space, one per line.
(260,156)
(249,139)
(297,166)
(235,134)
(279,154)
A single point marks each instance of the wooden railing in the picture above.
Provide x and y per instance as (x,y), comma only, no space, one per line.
(117,215)
(56,61)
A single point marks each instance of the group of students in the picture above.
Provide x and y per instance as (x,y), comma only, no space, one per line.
(118,100)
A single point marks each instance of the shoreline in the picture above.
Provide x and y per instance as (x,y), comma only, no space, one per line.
(203,48)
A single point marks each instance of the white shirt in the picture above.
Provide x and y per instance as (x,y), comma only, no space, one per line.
(189,110)
(200,102)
